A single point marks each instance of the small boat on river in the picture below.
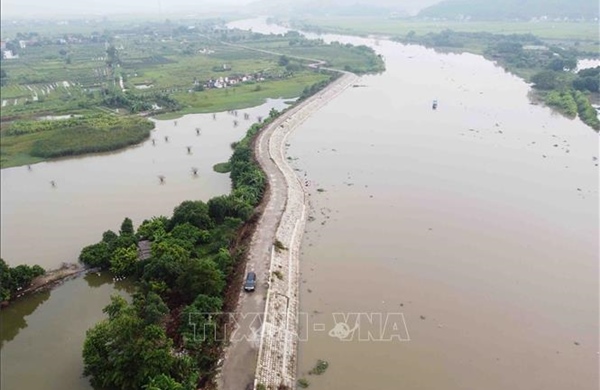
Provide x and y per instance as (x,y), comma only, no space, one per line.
(434,105)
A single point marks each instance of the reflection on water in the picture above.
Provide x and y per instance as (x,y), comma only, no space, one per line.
(477,221)
(42,348)
(13,316)
(94,193)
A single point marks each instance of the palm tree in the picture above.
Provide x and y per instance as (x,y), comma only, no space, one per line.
(161,178)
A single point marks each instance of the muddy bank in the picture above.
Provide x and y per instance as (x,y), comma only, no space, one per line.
(49,280)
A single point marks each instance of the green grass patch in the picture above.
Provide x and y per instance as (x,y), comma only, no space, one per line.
(245,95)
(223,167)
(26,142)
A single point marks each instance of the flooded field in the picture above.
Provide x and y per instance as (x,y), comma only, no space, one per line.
(42,335)
(94,193)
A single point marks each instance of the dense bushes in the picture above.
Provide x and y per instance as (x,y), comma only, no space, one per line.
(15,279)
(573,103)
(316,87)
(89,138)
(587,79)
(564,101)
(587,113)
(140,102)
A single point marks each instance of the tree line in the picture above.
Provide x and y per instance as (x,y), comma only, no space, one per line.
(15,279)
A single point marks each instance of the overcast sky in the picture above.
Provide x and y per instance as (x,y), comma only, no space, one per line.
(47,8)
(30,8)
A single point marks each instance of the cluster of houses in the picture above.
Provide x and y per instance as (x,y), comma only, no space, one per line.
(7,54)
(229,81)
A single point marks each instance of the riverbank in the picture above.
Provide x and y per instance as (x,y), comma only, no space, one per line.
(277,358)
(48,281)
(267,355)
(547,64)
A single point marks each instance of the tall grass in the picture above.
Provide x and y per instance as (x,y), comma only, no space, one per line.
(93,137)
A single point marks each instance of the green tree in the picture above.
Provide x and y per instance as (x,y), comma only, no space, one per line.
(123,261)
(194,212)
(588,83)
(200,277)
(187,232)
(224,260)
(151,308)
(546,79)
(123,352)
(273,113)
(96,255)
(126,228)
(6,282)
(154,229)
(199,322)
(283,61)
(3,77)
(163,382)
(109,237)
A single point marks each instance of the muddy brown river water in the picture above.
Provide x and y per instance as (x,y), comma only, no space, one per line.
(477,222)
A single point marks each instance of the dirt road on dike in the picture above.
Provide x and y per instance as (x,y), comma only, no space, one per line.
(240,358)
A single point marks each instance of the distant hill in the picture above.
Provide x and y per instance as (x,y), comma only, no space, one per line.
(512,9)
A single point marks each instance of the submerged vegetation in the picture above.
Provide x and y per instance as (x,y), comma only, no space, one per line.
(319,368)
(223,167)
(102,82)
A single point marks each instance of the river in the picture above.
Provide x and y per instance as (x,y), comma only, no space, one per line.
(42,335)
(477,223)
